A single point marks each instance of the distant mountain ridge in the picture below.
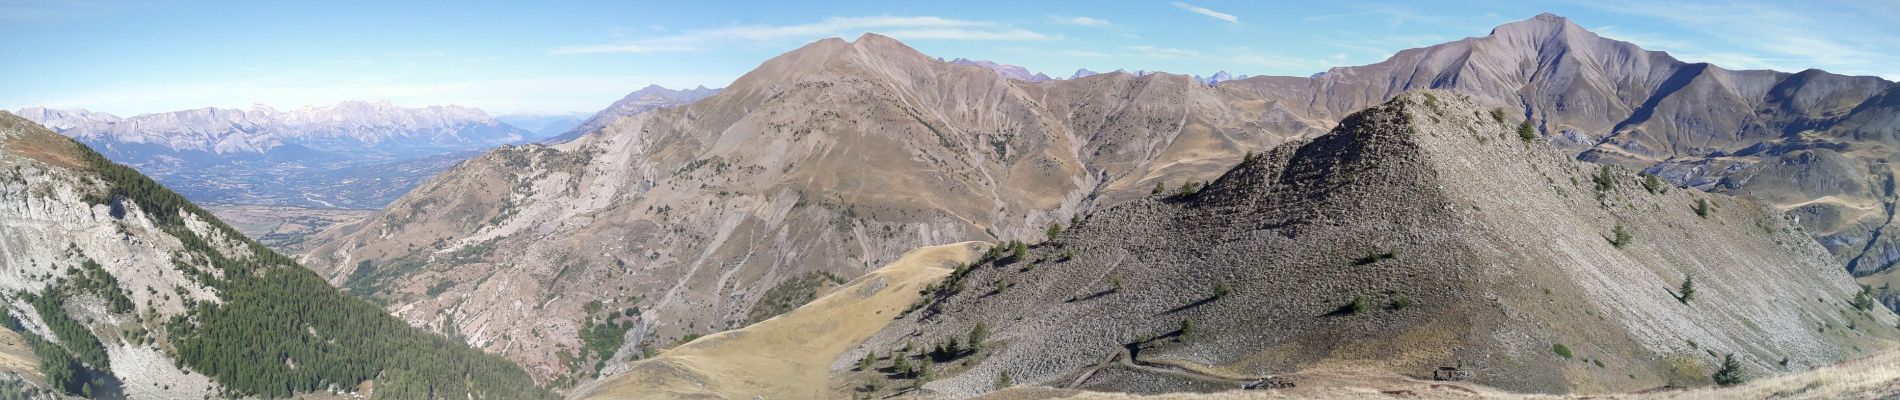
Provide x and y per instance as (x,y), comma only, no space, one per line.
(345,126)
(1023,74)
(1006,70)
(544,125)
(646,99)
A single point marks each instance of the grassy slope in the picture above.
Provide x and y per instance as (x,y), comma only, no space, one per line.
(789,356)
(15,356)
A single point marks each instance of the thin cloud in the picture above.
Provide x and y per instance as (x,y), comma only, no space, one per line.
(1164,52)
(45,11)
(1061,52)
(1758,36)
(615,48)
(969,34)
(918,28)
(1210,13)
(1082,21)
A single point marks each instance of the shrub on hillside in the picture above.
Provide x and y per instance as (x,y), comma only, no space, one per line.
(1605,179)
(1687,292)
(1401,302)
(1654,184)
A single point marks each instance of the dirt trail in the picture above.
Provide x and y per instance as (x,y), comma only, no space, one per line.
(1127,358)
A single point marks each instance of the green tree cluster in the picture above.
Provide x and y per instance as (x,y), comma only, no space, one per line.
(280,330)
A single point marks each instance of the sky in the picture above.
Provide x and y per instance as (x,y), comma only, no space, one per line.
(131,57)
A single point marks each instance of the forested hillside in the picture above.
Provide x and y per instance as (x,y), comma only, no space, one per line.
(250,319)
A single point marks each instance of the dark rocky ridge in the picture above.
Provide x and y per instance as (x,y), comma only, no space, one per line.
(1499,248)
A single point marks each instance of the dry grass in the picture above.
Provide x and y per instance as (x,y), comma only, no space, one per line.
(789,356)
(15,356)
(40,144)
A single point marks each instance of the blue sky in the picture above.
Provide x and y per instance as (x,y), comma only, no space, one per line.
(514,57)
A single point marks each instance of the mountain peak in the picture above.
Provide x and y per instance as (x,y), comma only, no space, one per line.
(1541,26)
(873,37)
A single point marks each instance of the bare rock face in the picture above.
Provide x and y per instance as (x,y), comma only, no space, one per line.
(836,157)
(1420,233)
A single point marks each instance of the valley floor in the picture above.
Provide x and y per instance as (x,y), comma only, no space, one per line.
(284,228)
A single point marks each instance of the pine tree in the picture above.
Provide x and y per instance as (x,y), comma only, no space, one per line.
(1604,179)
(1731,372)
(901,363)
(979,335)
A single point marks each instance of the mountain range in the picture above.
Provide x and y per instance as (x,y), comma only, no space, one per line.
(352,126)
(350,155)
(1023,74)
(1540,209)
(837,157)
(544,124)
(1421,233)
